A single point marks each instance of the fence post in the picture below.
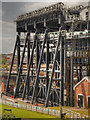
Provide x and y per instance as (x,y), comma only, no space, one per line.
(42,110)
(48,111)
(70,114)
(77,116)
(26,106)
(36,109)
(54,112)
(31,107)
(73,115)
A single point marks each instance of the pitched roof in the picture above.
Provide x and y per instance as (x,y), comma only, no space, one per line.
(87,78)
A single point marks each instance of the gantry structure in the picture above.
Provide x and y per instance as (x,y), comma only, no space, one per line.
(53,54)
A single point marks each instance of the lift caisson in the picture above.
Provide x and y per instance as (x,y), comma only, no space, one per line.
(52,54)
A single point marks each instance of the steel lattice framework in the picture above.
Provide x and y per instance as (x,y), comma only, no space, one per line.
(48,60)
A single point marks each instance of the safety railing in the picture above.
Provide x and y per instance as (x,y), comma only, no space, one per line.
(32,108)
(69,113)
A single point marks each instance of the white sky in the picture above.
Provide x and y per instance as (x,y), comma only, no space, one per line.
(44,0)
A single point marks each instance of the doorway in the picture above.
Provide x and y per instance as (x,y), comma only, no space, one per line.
(80,100)
(88,101)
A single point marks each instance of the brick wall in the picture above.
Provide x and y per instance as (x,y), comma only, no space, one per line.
(82,88)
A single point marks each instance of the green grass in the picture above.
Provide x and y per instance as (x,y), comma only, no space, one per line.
(21,113)
(89,112)
(68,107)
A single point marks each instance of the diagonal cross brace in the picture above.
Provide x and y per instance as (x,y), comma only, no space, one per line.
(50,83)
(17,80)
(28,69)
(11,64)
(39,64)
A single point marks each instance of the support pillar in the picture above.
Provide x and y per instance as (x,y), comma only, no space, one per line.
(38,70)
(71,82)
(18,52)
(7,85)
(47,64)
(51,79)
(61,69)
(65,72)
(28,57)
(30,62)
(20,69)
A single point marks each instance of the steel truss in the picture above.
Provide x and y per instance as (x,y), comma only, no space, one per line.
(49,63)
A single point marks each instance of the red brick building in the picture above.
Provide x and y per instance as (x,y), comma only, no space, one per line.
(82,93)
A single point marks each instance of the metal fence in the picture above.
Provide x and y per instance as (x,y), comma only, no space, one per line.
(33,108)
(69,113)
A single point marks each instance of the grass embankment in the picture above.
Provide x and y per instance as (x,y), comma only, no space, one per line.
(21,113)
(84,112)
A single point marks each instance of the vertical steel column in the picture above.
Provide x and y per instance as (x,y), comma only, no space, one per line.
(50,83)
(65,68)
(71,82)
(38,70)
(18,53)
(17,80)
(87,25)
(11,64)
(47,64)
(30,62)
(61,71)
(37,56)
(28,50)
(28,57)
(88,72)
(37,53)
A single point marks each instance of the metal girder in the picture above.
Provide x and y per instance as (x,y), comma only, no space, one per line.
(47,65)
(61,69)
(28,51)
(11,64)
(71,82)
(17,80)
(37,53)
(65,68)
(28,57)
(39,64)
(18,53)
(50,83)
(30,62)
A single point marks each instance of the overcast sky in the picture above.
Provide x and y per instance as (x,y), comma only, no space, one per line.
(10,10)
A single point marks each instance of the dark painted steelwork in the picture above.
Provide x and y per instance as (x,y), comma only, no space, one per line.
(70,59)
(18,53)
(71,82)
(65,71)
(20,69)
(51,79)
(37,53)
(7,85)
(30,62)
(38,70)
(28,57)
(47,63)
(61,70)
